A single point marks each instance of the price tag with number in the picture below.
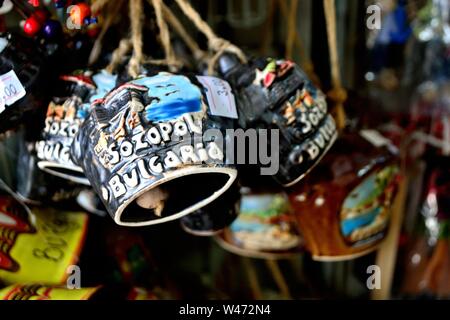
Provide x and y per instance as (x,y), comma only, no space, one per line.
(2,101)
(220,97)
(11,89)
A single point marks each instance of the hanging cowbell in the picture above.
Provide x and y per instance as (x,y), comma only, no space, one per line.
(265,228)
(276,94)
(214,217)
(65,113)
(343,206)
(37,187)
(154,150)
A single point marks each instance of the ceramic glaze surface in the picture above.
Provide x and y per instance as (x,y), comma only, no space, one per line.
(343,207)
(365,211)
(170,97)
(276,94)
(65,114)
(146,133)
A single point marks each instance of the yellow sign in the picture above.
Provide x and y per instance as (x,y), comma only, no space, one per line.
(39,292)
(41,252)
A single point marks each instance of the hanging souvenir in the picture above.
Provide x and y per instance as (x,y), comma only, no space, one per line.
(149,142)
(343,207)
(273,94)
(35,186)
(276,94)
(265,228)
(214,217)
(66,112)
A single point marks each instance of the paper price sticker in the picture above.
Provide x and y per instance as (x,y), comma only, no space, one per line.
(220,97)
(11,89)
(375,138)
(2,101)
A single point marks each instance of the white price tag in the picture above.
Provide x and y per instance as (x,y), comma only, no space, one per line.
(375,138)
(2,101)
(220,97)
(11,89)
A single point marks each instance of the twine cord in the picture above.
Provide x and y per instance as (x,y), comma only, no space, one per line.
(112,10)
(98,5)
(291,29)
(305,60)
(173,21)
(136,18)
(216,44)
(338,94)
(163,31)
(118,55)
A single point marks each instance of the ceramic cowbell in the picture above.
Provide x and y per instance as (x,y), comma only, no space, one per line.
(37,187)
(216,216)
(66,112)
(154,148)
(343,206)
(265,227)
(21,78)
(276,94)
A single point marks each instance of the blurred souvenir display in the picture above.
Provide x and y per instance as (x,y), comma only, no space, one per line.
(200,149)
(343,210)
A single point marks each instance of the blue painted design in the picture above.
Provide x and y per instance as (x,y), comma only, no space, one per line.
(83,111)
(350,225)
(105,82)
(252,226)
(367,191)
(256,212)
(172,96)
(256,203)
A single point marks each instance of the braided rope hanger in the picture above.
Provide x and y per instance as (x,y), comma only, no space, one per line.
(173,21)
(216,44)
(135,41)
(293,39)
(112,11)
(136,14)
(338,94)
(164,35)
